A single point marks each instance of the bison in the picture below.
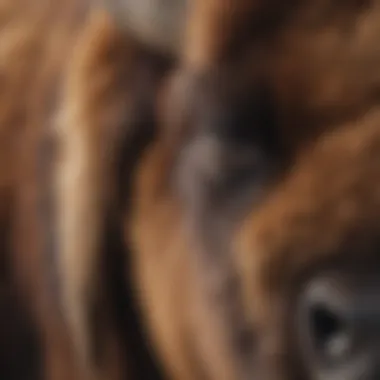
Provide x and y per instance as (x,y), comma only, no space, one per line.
(195,196)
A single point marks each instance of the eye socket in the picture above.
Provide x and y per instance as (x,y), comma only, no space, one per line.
(326,321)
(325,324)
(338,323)
(329,332)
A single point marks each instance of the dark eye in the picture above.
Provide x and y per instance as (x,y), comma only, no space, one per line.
(329,331)
(326,327)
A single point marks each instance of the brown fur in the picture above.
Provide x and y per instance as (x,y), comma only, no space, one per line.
(263,168)
(80,83)
(31,62)
(308,196)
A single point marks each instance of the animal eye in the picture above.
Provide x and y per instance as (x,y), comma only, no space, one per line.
(329,332)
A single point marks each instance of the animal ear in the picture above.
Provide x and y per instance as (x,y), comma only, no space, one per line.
(105,117)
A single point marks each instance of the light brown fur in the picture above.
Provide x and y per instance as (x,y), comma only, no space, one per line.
(33,44)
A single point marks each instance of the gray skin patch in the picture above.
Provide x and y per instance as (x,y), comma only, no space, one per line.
(158,24)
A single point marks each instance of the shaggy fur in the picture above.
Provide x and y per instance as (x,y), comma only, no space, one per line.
(224,181)
(75,89)
(271,173)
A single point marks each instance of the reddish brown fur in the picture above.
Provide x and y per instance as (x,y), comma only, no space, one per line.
(34,40)
(65,62)
(205,296)
(321,66)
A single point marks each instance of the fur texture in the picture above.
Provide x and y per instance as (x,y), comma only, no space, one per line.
(223,181)
(267,173)
(83,88)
